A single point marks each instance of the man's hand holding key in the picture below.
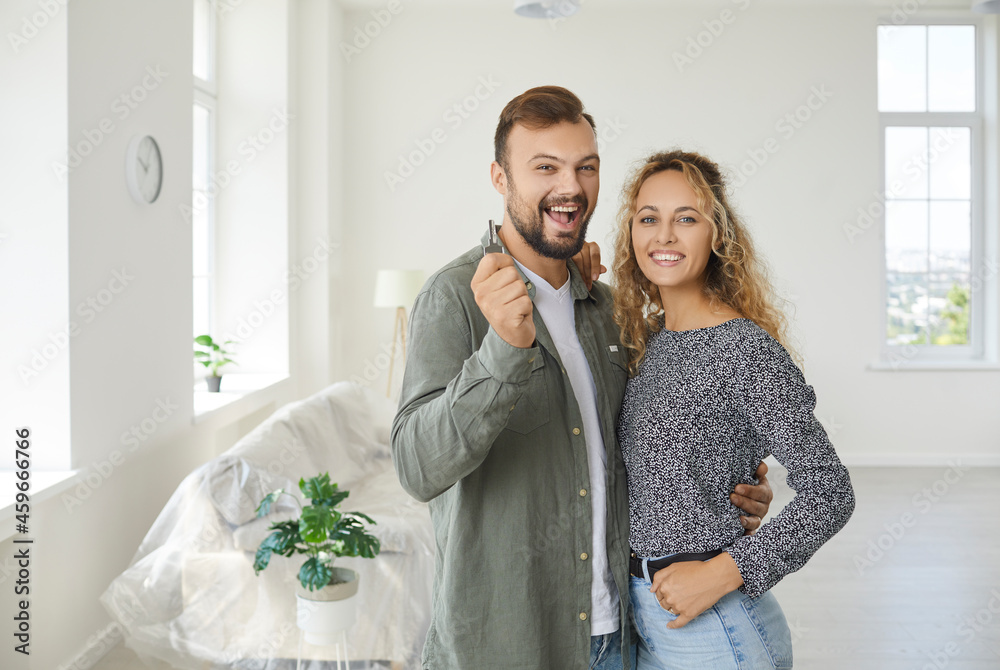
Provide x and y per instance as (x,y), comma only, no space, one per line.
(502,297)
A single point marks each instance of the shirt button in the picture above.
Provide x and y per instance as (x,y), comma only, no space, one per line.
(583,616)
(583,492)
(528,285)
(583,556)
(576,431)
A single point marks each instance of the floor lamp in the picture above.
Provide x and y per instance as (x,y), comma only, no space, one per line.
(397,288)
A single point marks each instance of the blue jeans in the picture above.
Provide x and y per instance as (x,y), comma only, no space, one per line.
(606,652)
(738,632)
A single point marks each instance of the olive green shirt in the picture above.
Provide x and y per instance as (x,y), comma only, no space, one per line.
(491,435)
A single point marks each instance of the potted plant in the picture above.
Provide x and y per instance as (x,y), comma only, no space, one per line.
(321,533)
(213,356)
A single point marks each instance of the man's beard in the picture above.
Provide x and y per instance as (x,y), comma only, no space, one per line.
(531,226)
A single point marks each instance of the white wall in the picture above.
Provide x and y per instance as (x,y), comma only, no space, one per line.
(766,63)
(34,277)
(136,352)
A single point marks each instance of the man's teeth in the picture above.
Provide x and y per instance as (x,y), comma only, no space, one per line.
(566,208)
(667,257)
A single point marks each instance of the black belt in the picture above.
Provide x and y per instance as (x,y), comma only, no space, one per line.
(635,563)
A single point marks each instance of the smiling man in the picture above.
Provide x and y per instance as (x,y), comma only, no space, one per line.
(507,419)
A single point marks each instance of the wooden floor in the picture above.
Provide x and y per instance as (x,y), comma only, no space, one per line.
(912,582)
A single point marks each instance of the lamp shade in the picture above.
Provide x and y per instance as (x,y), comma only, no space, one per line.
(986,6)
(544,9)
(397,288)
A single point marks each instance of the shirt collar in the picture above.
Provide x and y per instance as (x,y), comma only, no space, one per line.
(578,289)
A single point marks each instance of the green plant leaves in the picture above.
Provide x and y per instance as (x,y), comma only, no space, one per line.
(317,488)
(317,521)
(281,541)
(264,508)
(315,574)
(321,532)
(205,341)
(215,357)
(351,538)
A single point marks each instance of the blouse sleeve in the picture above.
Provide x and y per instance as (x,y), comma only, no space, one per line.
(777,404)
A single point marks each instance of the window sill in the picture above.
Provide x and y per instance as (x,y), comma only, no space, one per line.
(235,386)
(43,485)
(933,366)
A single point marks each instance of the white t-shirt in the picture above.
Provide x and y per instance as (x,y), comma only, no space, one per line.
(555,305)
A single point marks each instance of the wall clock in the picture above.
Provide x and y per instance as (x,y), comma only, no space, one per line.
(144,169)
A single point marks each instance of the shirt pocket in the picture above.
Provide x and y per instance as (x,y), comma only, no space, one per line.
(531,411)
(617,371)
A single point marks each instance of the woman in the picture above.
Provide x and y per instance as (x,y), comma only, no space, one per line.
(712,392)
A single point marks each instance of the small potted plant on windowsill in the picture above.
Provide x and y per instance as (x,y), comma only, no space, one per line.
(326,603)
(213,356)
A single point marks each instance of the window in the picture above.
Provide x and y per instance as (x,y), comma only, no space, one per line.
(202,212)
(931,123)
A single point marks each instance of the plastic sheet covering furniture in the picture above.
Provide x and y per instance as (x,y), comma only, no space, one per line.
(190,596)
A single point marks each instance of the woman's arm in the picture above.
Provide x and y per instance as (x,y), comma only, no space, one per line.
(777,405)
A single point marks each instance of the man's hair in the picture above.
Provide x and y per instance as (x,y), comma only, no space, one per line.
(537,108)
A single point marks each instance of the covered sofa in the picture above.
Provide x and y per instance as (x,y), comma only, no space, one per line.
(190,596)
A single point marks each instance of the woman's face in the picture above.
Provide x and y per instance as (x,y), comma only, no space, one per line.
(671,237)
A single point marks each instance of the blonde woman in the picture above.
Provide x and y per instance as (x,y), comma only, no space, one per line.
(712,391)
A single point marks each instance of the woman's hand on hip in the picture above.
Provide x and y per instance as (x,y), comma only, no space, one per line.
(688,588)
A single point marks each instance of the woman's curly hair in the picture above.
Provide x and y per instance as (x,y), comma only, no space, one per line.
(734,276)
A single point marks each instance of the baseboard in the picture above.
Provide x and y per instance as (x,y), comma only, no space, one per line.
(921,460)
(97,647)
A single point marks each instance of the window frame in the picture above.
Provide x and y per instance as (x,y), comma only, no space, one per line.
(975,350)
(205,94)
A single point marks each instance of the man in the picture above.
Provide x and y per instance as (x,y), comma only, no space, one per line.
(507,419)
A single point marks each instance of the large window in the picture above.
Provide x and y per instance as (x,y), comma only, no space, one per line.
(202,211)
(931,120)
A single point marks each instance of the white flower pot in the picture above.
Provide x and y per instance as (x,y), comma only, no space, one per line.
(324,614)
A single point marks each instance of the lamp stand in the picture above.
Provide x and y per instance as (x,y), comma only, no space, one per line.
(398,333)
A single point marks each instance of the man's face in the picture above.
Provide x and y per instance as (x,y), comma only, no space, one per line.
(552,179)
